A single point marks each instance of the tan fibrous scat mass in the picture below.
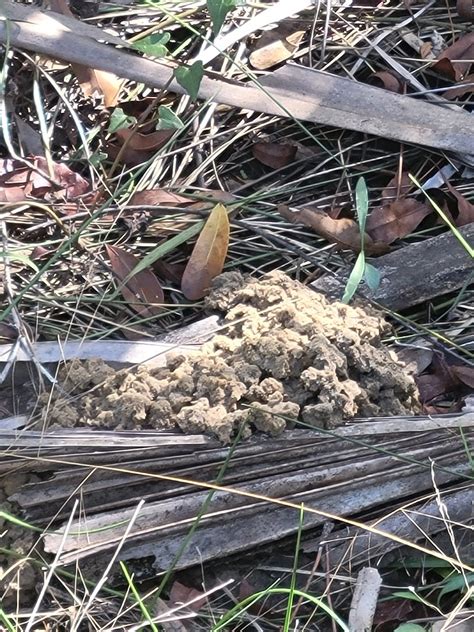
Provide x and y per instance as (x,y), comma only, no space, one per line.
(286,353)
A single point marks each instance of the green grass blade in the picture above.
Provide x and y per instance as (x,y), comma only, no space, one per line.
(355,278)
(454,229)
(141,604)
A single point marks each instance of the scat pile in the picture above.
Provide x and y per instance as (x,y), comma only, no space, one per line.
(286,354)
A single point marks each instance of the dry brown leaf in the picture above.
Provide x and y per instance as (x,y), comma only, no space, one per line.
(171,271)
(274,155)
(208,256)
(465,9)
(144,142)
(455,61)
(274,47)
(466,86)
(399,186)
(93,82)
(157,197)
(139,147)
(19,182)
(465,374)
(465,208)
(181,594)
(98,83)
(387,80)
(439,382)
(344,231)
(396,220)
(142,291)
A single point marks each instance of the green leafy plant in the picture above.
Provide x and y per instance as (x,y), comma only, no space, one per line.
(190,77)
(361,270)
(167,119)
(153,45)
(119,120)
(218,9)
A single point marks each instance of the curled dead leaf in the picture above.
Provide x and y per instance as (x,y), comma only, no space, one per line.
(466,86)
(274,155)
(20,182)
(142,291)
(208,256)
(399,186)
(396,220)
(387,80)
(465,213)
(454,62)
(343,231)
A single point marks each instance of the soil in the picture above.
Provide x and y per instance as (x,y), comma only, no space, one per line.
(286,354)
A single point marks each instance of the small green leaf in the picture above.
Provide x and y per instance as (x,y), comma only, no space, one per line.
(189,77)
(372,276)
(218,9)
(409,627)
(119,120)
(168,119)
(407,594)
(153,45)
(457,583)
(355,278)
(362,203)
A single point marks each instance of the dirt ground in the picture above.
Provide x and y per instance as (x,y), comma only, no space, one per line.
(285,353)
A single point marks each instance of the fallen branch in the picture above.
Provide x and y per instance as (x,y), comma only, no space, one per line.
(293,91)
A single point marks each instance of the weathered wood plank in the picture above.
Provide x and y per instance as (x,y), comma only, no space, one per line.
(298,92)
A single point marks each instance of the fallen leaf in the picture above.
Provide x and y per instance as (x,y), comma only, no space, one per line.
(387,80)
(160,197)
(142,292)
(275,46)
(344,231)
(466,86)
(465,374)
(274,155)
(464,9)
(465,208)
(70,183)
(20,182)
(181,594)
(170,271)
(208,256)
(140,147)
(439,381)
(93,82)
(144,142)
(454,62)
(98,83)
(396,220)
(415,359)
(157,197)
(399,186)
